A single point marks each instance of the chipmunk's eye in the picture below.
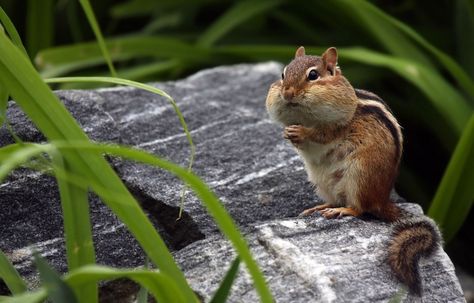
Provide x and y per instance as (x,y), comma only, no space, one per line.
(282,76)
(313,75)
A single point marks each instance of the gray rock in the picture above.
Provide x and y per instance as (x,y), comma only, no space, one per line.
(83,105)
(318,260)
(31,219)
(240,153)
(257,175)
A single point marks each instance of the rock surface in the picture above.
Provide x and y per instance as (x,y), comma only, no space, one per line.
(316,260)
(256,174)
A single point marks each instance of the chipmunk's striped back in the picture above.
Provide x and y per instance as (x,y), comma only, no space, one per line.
(371,104)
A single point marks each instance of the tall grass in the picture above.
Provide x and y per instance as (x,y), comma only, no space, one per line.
(78,165)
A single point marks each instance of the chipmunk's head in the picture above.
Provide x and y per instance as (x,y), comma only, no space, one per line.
(312,91)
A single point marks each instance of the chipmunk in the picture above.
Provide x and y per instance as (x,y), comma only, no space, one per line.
(351,145)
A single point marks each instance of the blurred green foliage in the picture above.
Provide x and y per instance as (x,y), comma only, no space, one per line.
(417,55)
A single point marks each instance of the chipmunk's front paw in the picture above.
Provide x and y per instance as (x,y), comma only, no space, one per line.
(297,134)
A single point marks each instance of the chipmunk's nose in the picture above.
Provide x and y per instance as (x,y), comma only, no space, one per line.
(288,93)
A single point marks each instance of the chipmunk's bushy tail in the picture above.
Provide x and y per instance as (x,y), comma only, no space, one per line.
(411,240)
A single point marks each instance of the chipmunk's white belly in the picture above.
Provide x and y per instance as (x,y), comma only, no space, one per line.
(321,169)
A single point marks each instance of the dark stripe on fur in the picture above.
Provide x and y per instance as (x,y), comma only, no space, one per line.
(381,116)
(366,95)
(411,240)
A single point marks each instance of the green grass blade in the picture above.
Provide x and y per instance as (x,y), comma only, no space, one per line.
(28,297)
(256,53)
(398,297)
(163,288)
(74,23)
(164,21)
(140,86)
(386,33)
(263,52)
(111,196)
(224,288)
(39,25)
(142,296)
(222,218)
(297,24)
(134,8)
(77,228)
(377,16)
(11,31)
(152,90)
(209,199)
(3,103)
(464,26)
(455,194)
(63,59)
(458,73)
(10,276)
(56,123)
(144,71)
(86,6)
(12,156)
(240,12)
(58,290)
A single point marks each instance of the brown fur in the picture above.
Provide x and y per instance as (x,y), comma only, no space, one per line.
(361,146)
(337,175)
(374,146)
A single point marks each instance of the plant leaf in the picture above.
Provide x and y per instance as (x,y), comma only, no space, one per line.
(464,26)
(39,25)
(56,123)
(375,22)
(163,21)
(455,194)
(153,90)
(209,199)
(13,155)
(64,59)
(163,288)
(3,103)
(58,290)
(134,8)
(142,296)
(237,14)
(77,228)
(86,6)
(28,297)
(140,86)
(10,276)
(223,220)
(385,27)
(11,31)
(223,291)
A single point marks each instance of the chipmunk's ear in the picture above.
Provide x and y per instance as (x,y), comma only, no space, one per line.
(299,52)
(330,60)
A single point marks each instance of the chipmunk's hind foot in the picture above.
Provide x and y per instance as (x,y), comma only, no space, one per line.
(312,210)
(339,212)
